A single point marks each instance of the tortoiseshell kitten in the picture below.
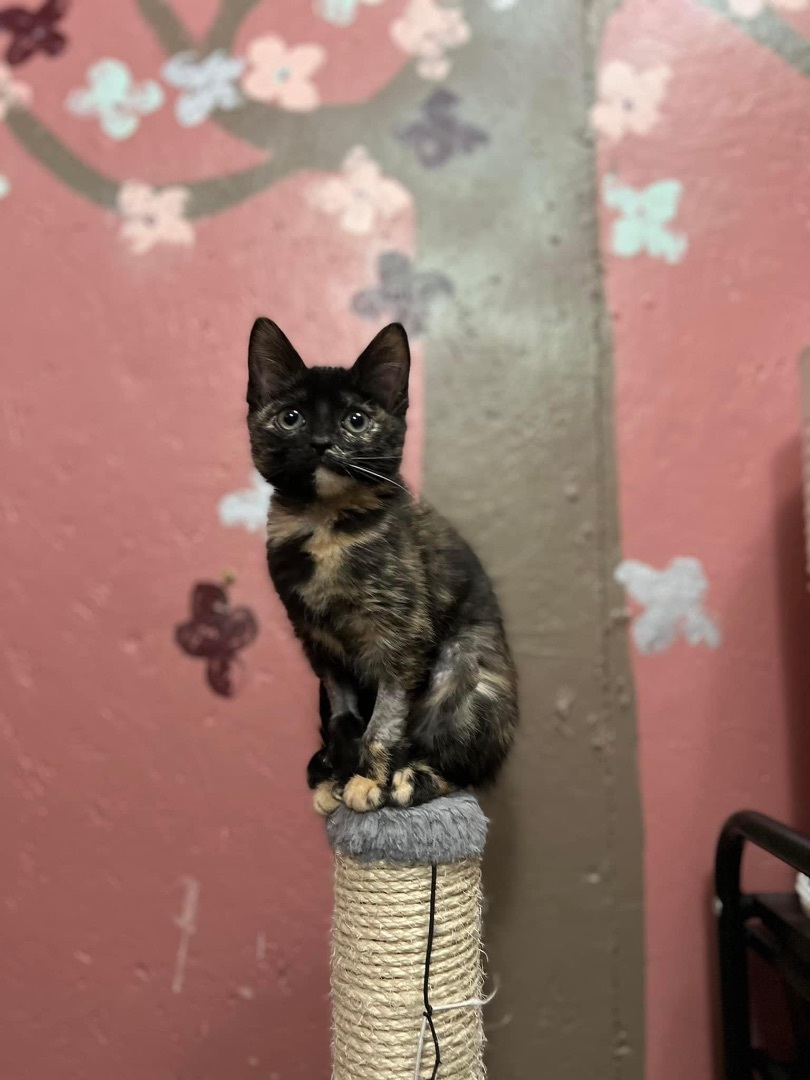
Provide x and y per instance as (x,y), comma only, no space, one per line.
(395,613)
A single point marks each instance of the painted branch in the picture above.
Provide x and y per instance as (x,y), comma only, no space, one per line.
(300,141)
(168,29)
(51,152)
(769,30)
(228,20)
(206,196)
(324,135)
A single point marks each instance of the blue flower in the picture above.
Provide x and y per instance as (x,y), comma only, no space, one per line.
(207,84)
(340,12)
(644,214)
(115,98)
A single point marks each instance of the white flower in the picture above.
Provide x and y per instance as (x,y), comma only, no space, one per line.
(153,217)
(629,99)
(427,31)
(360,195)
(673,604)
(749,9)
(247,507)
(13,93)
(207,84)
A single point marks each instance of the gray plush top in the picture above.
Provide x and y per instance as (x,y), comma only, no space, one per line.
(444,830)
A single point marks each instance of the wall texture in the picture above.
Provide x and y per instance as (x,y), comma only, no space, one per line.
(702,126)
(168,171)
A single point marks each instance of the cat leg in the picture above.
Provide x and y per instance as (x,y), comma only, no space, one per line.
(341,729)
(320,765)
(418,783)
(464,723)
(366,790)
(346,727)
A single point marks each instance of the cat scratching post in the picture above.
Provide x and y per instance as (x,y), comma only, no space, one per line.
(393,870)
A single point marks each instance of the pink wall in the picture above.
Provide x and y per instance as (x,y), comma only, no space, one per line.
(143,811)
(128,786)
(707,405)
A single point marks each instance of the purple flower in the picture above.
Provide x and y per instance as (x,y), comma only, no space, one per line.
(216,633)
(403,293)
(34,31)
(438,135)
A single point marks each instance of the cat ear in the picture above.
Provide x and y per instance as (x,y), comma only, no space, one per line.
(382,369)
(272,363)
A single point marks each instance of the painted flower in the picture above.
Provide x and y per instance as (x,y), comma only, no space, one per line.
(34,31)
(153,217)
(12,92)
(360,196)
(672,600)
(5,186)
(247,507)
(216,633)
(749,9)
(207,84)
(403,293)
(438,135)
(281,74)
(427,31)
(645,214)
(115,98)
(340,12)
(629,100)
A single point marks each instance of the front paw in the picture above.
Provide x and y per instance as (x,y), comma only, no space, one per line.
(325,798)
(362,795)
(402,787)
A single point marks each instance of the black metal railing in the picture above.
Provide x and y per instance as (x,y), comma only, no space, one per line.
(735,909)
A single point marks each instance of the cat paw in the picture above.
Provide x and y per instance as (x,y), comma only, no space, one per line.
(362,794)
(324,798)
(402,787)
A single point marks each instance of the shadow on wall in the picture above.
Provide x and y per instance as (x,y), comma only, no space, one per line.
(794,622)
(793,626)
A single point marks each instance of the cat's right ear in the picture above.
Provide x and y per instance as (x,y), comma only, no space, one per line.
(272,363)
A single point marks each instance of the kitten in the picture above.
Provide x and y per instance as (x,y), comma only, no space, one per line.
(394,611)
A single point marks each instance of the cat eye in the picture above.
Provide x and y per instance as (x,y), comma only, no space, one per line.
(355,421)
(290,419)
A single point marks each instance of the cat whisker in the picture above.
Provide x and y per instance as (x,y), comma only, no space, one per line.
(375,457)
(376,475)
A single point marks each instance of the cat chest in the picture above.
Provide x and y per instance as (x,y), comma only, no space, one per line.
(319,568)
(333,578)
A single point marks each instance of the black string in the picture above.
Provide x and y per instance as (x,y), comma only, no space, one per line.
(428,952)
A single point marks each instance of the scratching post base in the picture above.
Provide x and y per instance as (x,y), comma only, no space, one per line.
(384,881)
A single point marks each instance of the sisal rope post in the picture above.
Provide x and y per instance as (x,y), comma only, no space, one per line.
(398,875)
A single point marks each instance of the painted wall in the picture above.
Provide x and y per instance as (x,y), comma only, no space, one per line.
(338,164)
(703,130)
(171,171)
(166,887)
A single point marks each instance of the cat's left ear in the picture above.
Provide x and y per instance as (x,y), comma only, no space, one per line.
(382,369)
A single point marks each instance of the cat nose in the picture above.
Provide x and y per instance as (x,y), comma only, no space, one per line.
(320,443)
